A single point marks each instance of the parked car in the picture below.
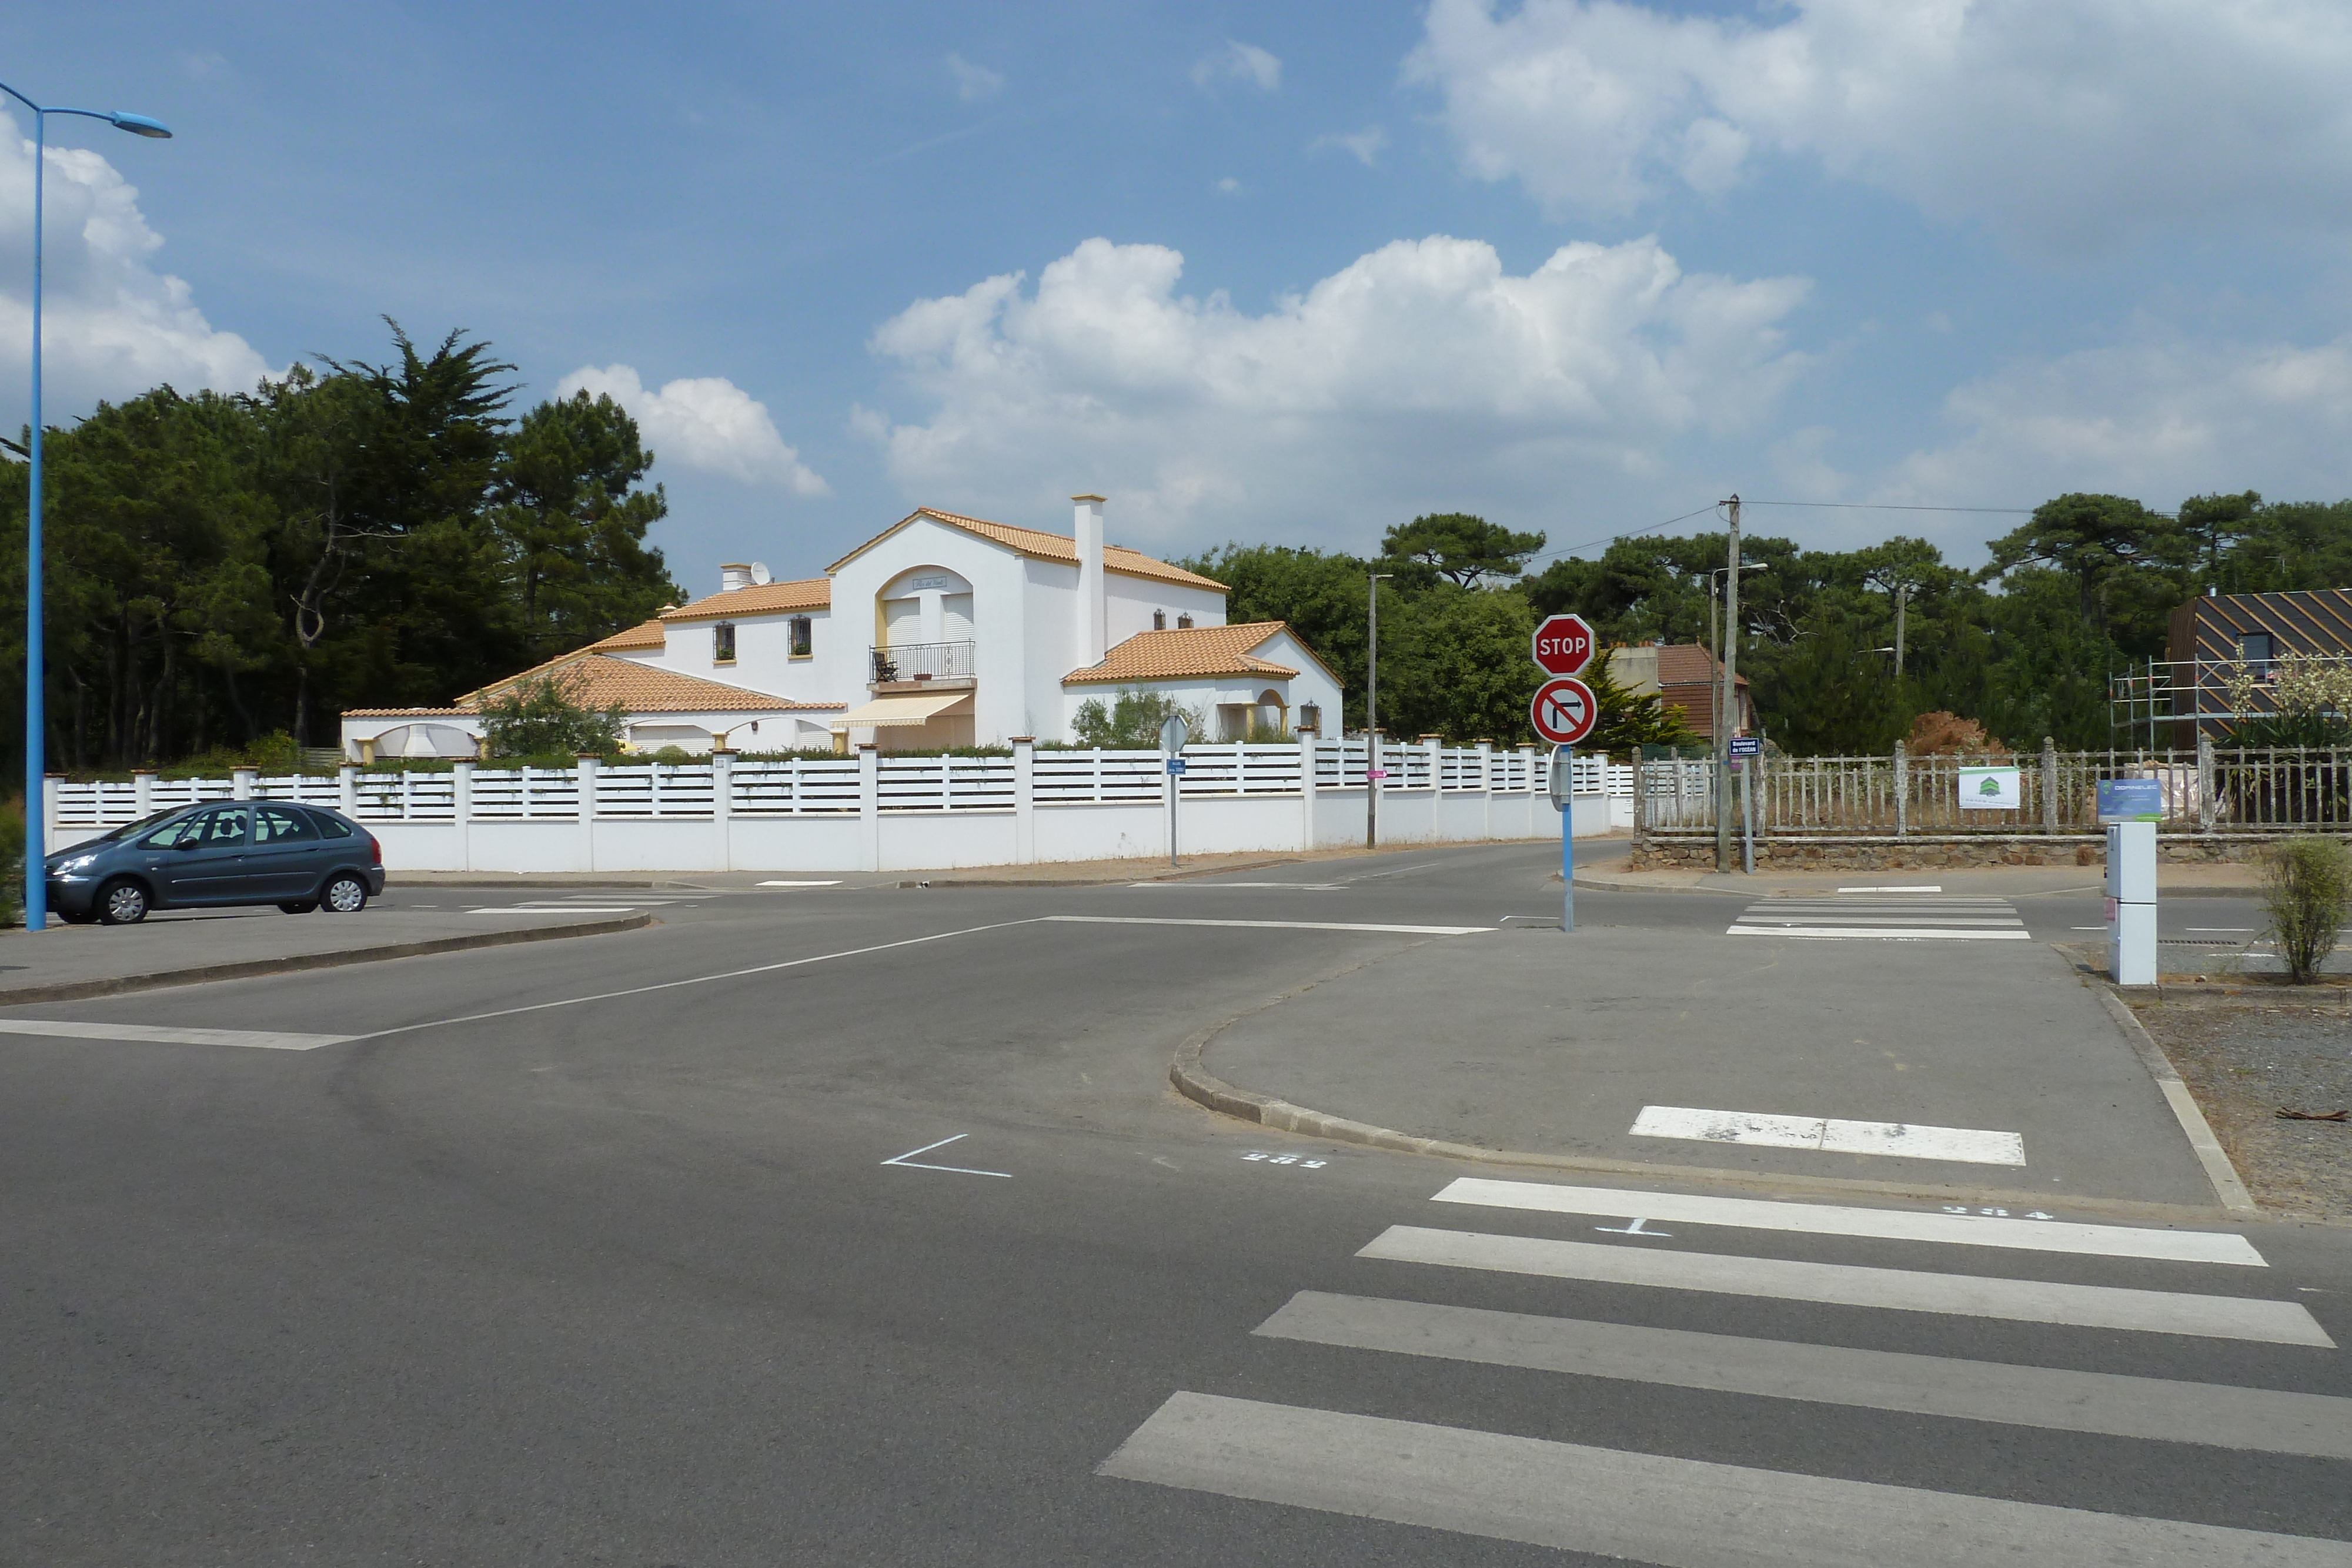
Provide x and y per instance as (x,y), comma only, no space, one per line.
(299,858)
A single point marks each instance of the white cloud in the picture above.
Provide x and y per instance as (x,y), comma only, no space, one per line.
(704,422)
(1363,145)
(973,83)
(1421,375)
(1239,62)
(2159,419)
(114,325)
(1228,186)
(2060,124)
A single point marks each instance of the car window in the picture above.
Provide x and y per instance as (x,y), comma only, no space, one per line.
(190,829)
(282,824)
(331,825)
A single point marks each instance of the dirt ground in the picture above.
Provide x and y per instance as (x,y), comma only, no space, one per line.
(2244,1059)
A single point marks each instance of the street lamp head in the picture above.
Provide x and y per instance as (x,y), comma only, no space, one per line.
(139,125)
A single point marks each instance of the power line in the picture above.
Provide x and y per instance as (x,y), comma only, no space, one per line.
(1629,534)
(1892,506)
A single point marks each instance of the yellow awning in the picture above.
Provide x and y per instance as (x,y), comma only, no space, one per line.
(918,708)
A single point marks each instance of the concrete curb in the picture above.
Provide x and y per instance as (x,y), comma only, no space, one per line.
(76,990)
(1198,1084)
(2210,1154)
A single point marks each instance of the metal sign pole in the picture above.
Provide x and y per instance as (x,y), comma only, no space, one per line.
(1568,839)
(1748,814)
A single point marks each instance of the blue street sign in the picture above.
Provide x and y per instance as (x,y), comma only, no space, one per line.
(2131,801)
(1175,765)
(1747,745)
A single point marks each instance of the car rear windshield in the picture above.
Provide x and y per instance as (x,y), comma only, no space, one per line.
(334,827)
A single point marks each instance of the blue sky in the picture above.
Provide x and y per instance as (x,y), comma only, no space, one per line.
(1287,272)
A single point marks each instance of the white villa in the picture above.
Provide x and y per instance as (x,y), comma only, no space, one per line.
(941,631)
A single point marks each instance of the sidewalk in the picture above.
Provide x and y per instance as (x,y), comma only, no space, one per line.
(1529,1043)
(67,962)
(1038,874)
(2172,881)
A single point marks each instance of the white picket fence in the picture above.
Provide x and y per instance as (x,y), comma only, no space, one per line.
(871,811)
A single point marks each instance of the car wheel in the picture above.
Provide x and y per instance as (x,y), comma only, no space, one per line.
(300,907)
(122,903)
(346,895)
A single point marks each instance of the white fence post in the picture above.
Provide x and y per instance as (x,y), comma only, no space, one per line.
(461,808)
(1902,790)
(1025,799)
(1486,787)
(49,782)
(1307,787)
(587,763)
(349,784)
(240,782)
(142,793)
(2049,801)
(2205,802)
(722,806)
(869,808)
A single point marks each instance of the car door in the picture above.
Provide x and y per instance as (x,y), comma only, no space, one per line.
(286,860)
(204,861)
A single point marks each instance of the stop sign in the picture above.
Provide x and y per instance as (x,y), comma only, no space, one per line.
(1563,644)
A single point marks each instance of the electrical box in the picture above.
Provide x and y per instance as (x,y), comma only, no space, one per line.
(2131,903)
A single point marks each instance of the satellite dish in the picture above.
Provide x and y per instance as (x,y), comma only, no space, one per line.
(761,575)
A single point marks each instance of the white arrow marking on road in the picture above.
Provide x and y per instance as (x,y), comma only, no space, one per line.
(913,1163)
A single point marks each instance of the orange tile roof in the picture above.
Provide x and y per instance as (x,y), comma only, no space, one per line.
(760,599)
(408,712)
(645,635)
(1044,546)
(1187,652)
(599,680)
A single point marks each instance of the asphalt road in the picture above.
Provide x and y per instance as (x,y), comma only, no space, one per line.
(589,1253)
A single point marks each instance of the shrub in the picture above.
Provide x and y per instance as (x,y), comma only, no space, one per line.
(12,862)
(541,717)
(2306,891)
(1132,721)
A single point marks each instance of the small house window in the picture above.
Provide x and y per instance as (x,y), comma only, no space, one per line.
(1160,621)
(723,643)
(804,634)
(1183,622)
(1310,716)
(2258,649)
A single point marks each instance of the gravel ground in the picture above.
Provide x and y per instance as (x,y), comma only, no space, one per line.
(2243,1058)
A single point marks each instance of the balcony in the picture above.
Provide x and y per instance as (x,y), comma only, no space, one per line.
(922,666)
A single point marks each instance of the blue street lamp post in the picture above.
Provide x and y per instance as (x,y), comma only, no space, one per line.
(37,891)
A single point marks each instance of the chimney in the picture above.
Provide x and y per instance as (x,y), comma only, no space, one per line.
(1091,632)
(734,574)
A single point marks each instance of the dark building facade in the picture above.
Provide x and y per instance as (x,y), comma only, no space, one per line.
(2209,636)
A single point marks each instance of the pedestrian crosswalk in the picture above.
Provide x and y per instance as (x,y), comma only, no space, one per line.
(1681,1512)
(1884,915)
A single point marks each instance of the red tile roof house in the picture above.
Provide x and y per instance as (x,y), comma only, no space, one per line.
(1683,674)
(942,630)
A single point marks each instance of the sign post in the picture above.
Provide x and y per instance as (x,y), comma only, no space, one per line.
(1173,733)
(1746,749)
(1564,712)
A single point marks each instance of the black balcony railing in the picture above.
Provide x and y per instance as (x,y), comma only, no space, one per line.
(922,662)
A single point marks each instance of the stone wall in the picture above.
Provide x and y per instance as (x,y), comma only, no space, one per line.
(1926,851)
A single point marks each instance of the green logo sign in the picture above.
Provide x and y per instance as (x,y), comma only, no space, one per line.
(1989,785)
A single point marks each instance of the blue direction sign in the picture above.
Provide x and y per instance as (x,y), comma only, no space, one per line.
(1747,745)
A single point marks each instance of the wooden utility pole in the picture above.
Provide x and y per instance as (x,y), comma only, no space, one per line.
(1726,717)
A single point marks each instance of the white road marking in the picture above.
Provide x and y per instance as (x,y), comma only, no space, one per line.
(1830,1135)
(913,1163)
(1881,1224)
(564,909)
(1269,924)
(833,883)
(2243,930)
(2258,1419)
(174,1034)
(1678,1514)
(1843,1284)
(1930,888)
(1815,917)
(1289,887)
(1901,934)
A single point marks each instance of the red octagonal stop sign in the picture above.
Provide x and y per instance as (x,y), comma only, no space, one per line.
(1563,644)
